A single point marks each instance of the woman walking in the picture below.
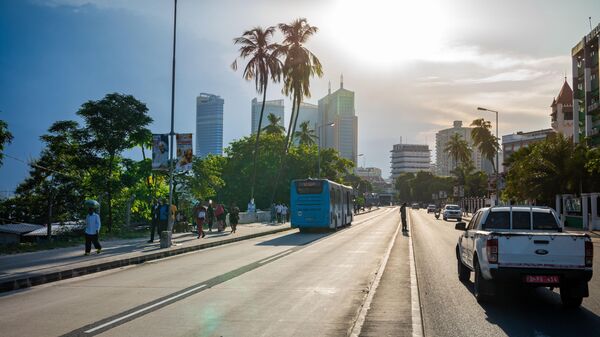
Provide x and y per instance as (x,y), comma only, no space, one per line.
(234,217)
(199,218)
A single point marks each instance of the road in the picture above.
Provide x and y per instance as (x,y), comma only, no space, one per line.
(279,285)
(450,309)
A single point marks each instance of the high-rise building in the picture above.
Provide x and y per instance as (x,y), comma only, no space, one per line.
(271,107)
(309,113)
(562,111)
(411,158)
(445,163)
(209,125)
(338,108)
(513,142)
(586,98)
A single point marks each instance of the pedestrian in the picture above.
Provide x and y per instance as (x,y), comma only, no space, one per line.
(199,218)
(278,209)
(284,213)
(220,215)
(273,213)
(403,217)
(163,216)
(154,225)
(234,217)
(92,229)
(210,213)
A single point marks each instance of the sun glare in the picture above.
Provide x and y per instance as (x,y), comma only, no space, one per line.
(390,32)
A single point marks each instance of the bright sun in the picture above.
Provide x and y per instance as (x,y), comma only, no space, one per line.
(390,32)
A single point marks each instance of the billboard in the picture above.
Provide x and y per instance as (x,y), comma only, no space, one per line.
(185,153)
(160,152)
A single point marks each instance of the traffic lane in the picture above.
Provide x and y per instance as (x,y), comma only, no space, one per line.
(450,309)
(109,293)
(316,291)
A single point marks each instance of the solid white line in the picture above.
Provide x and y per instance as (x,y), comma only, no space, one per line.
(417,320)
(365,308)
(144,309)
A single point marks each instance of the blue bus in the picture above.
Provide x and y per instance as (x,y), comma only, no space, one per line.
(320,203)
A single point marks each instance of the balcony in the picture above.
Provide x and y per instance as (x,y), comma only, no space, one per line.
(593,108)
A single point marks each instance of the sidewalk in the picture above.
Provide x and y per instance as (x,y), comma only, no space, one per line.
(29,269)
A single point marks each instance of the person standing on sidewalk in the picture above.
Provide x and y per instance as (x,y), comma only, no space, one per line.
(278,209)
(92,229)
(210,214)
(199,218)
(403,217)
(273,213)
(234,217)
(155,225)
(163,217)
(284,213)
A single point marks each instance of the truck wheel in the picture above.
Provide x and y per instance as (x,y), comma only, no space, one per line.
(568,300)
(482,287)
(464,273)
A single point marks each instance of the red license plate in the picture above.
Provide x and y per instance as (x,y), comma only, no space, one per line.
(542,279)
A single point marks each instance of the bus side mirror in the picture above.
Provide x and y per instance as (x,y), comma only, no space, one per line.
(460,226)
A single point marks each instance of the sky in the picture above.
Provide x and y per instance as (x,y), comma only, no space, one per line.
(415,66)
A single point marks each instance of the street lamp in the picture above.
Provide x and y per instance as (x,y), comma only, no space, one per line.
(319,147)
(172,133)
(497,166)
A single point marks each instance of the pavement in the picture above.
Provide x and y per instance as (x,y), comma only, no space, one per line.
(29,269)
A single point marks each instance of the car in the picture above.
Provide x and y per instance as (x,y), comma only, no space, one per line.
(430,208)
(415,206)
(525,246)
(452,212)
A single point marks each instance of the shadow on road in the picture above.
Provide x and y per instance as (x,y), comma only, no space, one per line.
(294,239)
(538,312)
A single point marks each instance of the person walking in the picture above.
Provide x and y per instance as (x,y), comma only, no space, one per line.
(163,216)
(210,213)
(403,217)
(234,217)
(220,215)
(154,226)
(92,229)
(200,218)
(273,213)
(278,209)
(284,213)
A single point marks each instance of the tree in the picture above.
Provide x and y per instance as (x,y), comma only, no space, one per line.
(299,66)
(484,140)
(458,149)
(306,135)
(263,64)
(5,138)
(113,124)
(206,177)
(274,128)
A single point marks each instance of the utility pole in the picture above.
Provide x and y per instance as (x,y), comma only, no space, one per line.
(172,133)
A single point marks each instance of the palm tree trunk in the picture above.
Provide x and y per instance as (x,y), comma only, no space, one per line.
(298,102)
(255,154)
(285,150)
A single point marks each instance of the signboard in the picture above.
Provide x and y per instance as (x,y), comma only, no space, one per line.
(160,152)
(185,152)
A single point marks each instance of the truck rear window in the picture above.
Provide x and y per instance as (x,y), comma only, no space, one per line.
(544,221)
(497,220)
(521,220)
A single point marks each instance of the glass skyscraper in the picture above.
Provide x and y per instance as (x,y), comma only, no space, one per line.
(209,125)
(271,107)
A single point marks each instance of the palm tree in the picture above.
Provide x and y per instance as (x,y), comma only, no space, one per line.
(274,127)
(263,64)
(305,135)
(484,140)
(458,149)
(299,66)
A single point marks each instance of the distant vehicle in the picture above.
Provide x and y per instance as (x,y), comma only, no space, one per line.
(415,205)
(452,212)
(430,208)
(320,203)
(524,246)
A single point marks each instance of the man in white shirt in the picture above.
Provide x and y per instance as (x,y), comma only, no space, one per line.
(92,229)
(279,209)
(284,212)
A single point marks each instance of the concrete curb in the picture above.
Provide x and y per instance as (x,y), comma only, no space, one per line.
(27,281)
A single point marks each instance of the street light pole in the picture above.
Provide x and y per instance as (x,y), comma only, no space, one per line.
(172,133)
(497,166)
(319,148)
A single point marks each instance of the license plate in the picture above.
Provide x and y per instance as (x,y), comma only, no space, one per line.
(542,279)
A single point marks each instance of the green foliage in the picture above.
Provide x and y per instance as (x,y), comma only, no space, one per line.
(421,186)
(306,135)
(361,186)
(458,149)
(274,128)
(484,140)
(5,138)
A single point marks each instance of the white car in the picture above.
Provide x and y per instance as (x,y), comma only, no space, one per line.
(430,208)
(525,246)
(452,212)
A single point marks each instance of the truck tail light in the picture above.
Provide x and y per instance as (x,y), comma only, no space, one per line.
(491,247)
(589,253)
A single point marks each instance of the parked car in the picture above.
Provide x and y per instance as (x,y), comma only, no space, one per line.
(415,205)
(524,246)
(430,208)
(452,212)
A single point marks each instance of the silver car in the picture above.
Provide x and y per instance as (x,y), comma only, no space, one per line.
(452,212)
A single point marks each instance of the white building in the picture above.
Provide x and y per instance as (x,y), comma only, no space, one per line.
(274,107)
(410,158)
(209,125)
(445,163)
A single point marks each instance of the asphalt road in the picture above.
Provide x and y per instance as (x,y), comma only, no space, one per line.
(450,309)
(279,285)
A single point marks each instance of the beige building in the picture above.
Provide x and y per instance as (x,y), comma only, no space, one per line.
(562,111)
(444,162)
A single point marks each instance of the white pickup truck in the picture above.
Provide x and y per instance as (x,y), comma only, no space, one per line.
(523,245)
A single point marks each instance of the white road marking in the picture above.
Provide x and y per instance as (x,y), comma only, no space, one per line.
(365,308)
(417,320)
(144,309)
